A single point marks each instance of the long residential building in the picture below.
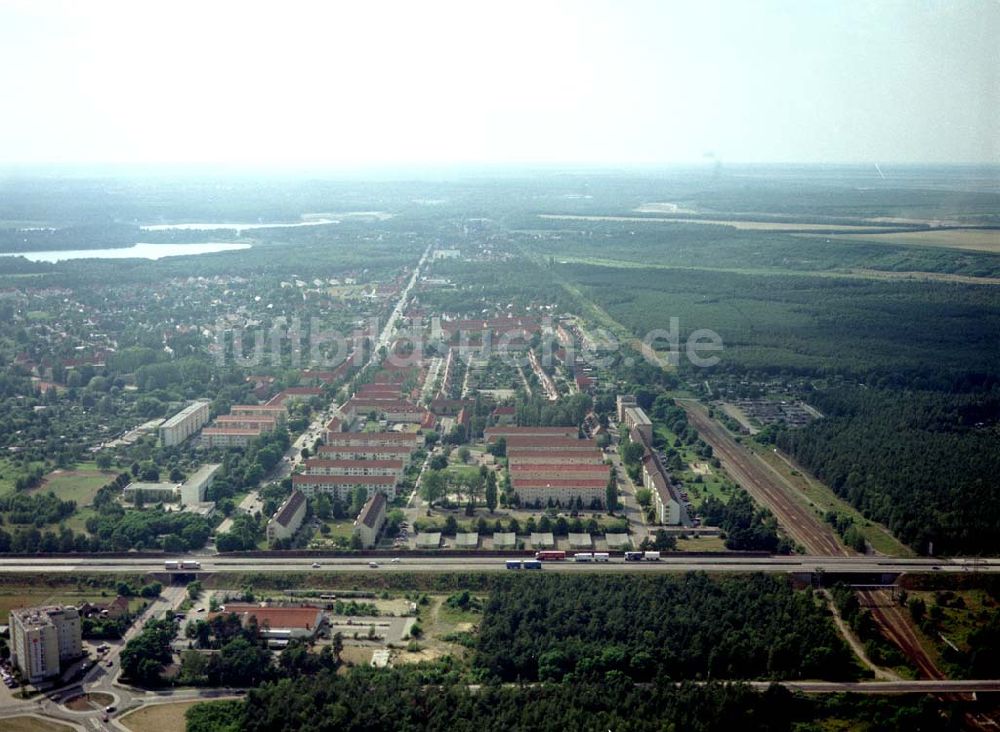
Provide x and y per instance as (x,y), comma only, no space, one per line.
(43,637)
(383,452)
(542,471)
(549,470)
(184,424)
(508,432)
(244,421)
(410,440)
(275,411)
(551,444)
(565,492)
(635,418)
(229,436)
(559,457)
(321,466)
(371,519)
(288,518)
(395,410)
(342,486)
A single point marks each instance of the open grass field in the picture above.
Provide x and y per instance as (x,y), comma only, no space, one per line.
(32,724)
(79,484)
(158,717)
(702,544)
(979,240)
(14,596)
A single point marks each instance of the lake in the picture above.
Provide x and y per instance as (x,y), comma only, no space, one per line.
(136,251)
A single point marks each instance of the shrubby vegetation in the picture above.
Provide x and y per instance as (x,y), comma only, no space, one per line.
(365,700)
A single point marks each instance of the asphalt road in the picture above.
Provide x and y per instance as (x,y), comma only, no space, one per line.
(677,562)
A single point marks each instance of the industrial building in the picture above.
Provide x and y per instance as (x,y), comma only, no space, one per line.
(184,424)
(43,637)
(278,624)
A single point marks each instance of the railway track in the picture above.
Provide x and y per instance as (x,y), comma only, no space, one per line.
(801,524)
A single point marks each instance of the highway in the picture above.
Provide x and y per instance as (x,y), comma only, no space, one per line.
(671,562)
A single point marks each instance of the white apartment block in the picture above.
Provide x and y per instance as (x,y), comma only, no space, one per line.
(42,637)
(184,424)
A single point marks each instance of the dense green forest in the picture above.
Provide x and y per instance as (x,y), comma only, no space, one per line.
(367,700)
(923,463)
(556,627)
(914,334)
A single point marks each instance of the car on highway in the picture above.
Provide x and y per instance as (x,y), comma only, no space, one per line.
(315,565)
(110,709)
(395,560)
(373,565)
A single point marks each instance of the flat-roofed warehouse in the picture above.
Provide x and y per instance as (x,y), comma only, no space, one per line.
(278,624)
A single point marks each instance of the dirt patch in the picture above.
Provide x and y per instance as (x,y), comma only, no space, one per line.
(979,240)
(358,655)
(158,717)
(88,702)
(701,468)
(424,654)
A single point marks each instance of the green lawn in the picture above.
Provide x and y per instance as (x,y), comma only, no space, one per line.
(78,521)
(702,544)
(78,484)
(712,483)
(339,529)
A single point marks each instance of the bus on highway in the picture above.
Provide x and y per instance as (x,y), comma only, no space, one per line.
(532,564)
(633,556)
(549,555)
(583,557)
(513,564)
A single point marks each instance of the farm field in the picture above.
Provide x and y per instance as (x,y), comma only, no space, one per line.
(744,225)
(980,240)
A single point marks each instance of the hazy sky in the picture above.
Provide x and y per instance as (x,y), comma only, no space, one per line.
(349,83)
